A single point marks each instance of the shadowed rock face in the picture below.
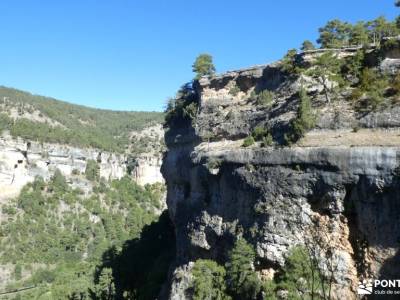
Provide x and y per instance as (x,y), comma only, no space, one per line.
(276,197)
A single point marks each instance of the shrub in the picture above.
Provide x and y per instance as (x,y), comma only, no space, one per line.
(267,140)
(265,98)
(182,109)
(58,182)
(355,64)
(213,163)
(190,110)
(369,95)
(289,63)
(395,85)
(356,128)
(5,122)
(269,289)
(17,272)
(262,134)
(92,171)
(234,90)
(304,121)
(259,132)
(208,280)
(248,141)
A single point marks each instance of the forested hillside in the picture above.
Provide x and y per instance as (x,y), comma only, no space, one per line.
(63,244)
(72,236)
(50,120)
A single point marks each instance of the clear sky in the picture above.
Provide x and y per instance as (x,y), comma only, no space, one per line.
(132,55)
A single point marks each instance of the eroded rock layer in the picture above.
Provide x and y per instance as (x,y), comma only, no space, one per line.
(337,187)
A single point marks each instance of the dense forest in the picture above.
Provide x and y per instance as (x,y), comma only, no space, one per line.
(67,245)
(49,120)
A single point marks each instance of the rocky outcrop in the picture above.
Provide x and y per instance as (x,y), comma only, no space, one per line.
(344,195)
(147,162)
(21,160)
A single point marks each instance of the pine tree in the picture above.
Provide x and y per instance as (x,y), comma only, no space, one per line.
(203,65)
(92,170)
(334,34)
(304,121)
(208,281)
(307,46)
(105,288)
(326,70)
(359,34)
(242,280)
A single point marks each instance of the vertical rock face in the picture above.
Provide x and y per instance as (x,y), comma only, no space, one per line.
(22,160)
(147,164)
(343,196)
(148,170)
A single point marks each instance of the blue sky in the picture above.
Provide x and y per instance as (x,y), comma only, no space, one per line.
(132,55)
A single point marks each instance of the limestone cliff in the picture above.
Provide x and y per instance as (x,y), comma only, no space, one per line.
(338,185)
(21,160)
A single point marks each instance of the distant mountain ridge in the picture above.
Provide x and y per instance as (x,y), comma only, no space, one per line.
(45,119)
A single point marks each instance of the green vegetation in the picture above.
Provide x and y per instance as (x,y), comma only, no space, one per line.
(209,281)
(267,140)
(77,247)
(369,94)
(307,46)
(214,163)
(301,277)
(237,280)
(304,121)
(141,266)
(72,124)
(242,279)
(395,85)
(264,98)
(182,109)
(289,63)
(337,34)
(259,133)
(326,70)
(334,34)
(92,171)
(359,34)
(203,65)
(355,64)
(234,91)
(262,134)
(248,141)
